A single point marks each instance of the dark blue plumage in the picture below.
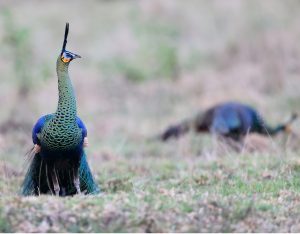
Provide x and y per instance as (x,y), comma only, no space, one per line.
(230,119)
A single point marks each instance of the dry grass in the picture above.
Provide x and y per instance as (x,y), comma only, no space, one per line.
(147,64)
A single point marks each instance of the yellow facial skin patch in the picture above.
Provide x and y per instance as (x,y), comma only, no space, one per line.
(65,60)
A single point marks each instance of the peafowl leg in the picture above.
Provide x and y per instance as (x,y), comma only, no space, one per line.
(76,180)
(55,182)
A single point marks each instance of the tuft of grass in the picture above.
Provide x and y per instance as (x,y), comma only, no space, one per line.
(4,225)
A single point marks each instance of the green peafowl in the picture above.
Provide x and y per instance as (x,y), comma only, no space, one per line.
(231,119)
(59,165)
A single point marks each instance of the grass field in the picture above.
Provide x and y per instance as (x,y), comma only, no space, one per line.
(146,65)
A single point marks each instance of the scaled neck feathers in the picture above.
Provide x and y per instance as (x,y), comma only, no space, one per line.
(67,101)
(62,131)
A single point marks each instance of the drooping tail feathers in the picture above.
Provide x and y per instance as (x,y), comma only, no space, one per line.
(175,131)
(29,184)
(38,182)
(87,181)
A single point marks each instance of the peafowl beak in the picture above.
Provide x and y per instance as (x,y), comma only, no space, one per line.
(287,127)
(76,56)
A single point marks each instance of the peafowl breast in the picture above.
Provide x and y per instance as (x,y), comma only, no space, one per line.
(230,119)
(59,165)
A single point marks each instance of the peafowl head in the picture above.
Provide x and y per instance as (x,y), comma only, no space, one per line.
(67,56)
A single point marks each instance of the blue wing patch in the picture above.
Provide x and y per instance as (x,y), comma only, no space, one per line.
(82,127)
(226,119)
(37,128)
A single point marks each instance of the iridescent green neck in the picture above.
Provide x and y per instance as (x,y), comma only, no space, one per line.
(62,131)
(67,101)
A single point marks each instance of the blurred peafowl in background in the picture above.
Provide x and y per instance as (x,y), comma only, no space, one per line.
(58,164)
(231,119)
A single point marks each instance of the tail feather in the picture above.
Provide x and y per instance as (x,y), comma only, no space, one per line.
(176,131)
(29,186)
(87,181)
(37,181)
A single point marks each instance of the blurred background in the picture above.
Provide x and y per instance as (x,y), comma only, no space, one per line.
(145,65)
